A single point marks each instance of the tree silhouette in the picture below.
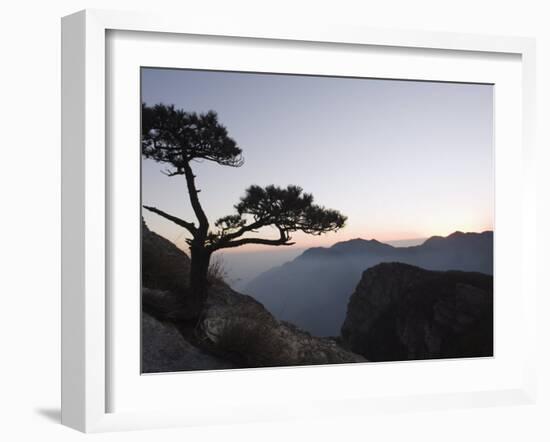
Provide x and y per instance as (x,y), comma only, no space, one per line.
(176,138)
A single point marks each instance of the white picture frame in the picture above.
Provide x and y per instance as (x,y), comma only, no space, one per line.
(86,315)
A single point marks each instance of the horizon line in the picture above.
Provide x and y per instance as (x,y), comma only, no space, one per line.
(419,239)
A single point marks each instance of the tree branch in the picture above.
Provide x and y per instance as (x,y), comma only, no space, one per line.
(284,240)
(187,225)
(242,242)
(248,228)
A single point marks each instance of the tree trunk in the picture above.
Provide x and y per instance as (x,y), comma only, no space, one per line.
(200,261)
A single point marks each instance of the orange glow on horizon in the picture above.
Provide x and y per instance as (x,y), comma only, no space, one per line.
(303,241)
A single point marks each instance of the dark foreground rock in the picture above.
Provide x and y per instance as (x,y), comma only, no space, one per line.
(164,349)
(234,331)
(164,265)
(237,329)
(402,312)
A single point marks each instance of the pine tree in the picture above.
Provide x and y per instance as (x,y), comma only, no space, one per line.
(177,138)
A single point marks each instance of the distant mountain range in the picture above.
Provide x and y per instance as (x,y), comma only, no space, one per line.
(313,290)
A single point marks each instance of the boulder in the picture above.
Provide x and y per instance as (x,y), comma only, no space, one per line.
(164,349)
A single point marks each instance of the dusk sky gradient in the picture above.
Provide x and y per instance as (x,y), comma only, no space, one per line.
(401,159)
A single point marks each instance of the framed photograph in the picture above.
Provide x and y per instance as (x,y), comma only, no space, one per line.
(276,222)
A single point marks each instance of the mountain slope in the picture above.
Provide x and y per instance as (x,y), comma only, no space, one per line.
(312,291)
(235,330)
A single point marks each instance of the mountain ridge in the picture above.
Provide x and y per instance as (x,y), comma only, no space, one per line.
(431,239)
(312,290)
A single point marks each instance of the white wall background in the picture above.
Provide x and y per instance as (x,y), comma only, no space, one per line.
(30,220)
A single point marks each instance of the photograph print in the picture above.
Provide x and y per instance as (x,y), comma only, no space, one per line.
(298,220)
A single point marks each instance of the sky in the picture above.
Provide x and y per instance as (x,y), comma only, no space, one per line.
(403,160)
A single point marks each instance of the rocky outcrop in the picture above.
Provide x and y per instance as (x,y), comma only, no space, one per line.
(164,349)
(164,266)
(235,330)
(402,312)
(238,323)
